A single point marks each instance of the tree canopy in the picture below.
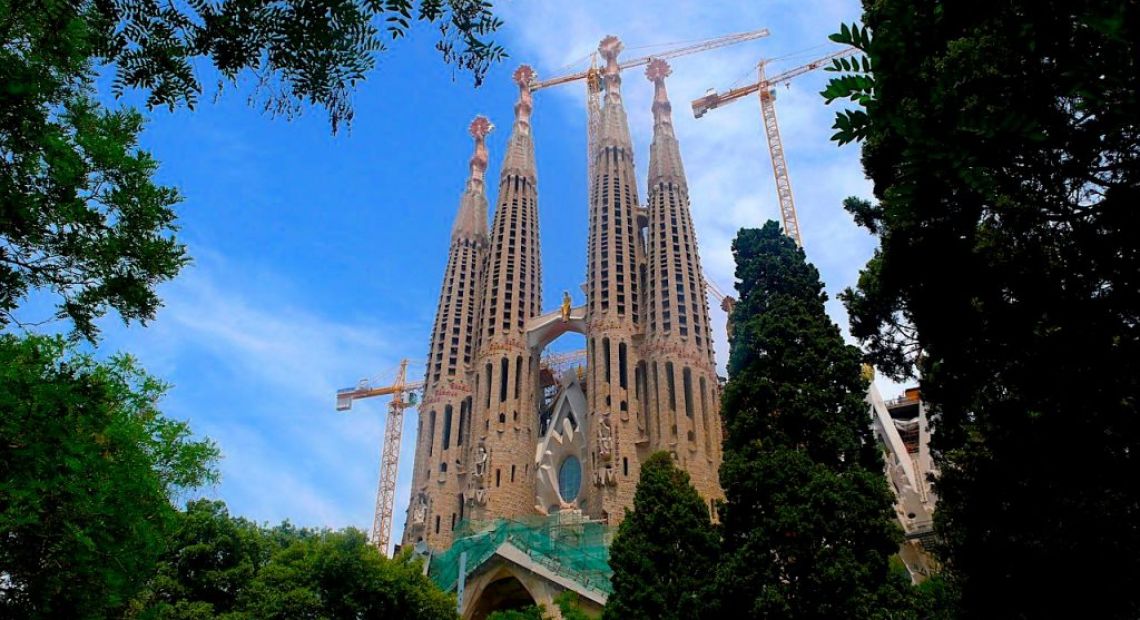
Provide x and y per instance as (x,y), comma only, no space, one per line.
(665,550)
(1003,142)
(82,220)
(808,522)
(219,566)
(89,468)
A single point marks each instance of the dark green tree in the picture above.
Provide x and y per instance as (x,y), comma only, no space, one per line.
(88,470)
(1004,145)
(530,612)
(808,522)
(81,219)
(219,566)
(340,575)
(665,550)
(209,564)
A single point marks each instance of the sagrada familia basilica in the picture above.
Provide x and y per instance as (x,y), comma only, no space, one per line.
(502,437)
(522,467)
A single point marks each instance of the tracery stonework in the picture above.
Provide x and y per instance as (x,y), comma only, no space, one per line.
(500,435)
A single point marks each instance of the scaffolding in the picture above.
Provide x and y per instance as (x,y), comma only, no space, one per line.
(570,547)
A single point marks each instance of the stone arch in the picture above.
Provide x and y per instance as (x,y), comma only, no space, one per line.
(501,590)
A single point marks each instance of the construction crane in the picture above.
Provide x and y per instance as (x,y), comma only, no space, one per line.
(390,455)
(563,359)
(593,79)
(727,303)
(764,86)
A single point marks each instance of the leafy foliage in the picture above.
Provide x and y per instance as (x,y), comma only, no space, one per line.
(1004,146)
(210,562)
(665,550)
(808,522)
(88,469)
(295,51)
(81,218)
(218,566)
(530,612)
(569,607)
(339,575)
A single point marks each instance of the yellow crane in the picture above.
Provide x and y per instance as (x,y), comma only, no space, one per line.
(593,79)
(764,86)
(727,303)
(390,454)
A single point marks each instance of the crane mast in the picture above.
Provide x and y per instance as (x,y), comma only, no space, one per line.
(390,454)
(763,86)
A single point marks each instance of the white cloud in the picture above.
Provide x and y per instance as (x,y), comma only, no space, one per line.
(256,370)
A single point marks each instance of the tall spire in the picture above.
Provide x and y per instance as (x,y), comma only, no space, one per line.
(664,153)
(520,148)
(615,127)
(505,420)
(471,221)
(444,436)
(613,308)
(677,345)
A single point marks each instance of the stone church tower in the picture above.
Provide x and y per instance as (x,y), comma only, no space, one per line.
(444,436)
(685,415)
(501,435)
(506,422)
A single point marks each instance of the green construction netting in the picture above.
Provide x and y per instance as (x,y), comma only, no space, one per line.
(577,550)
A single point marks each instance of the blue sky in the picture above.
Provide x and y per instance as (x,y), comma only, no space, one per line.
(317,258)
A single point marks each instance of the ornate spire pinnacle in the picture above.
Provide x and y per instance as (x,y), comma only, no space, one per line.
(664,154)
(609,48)
(656,72)
(523,76)
(520,147)
(479,129)
(615,127)
(471,221)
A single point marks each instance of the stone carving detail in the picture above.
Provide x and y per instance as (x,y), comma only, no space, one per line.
(605,477)
(420,510)
(481,460)
(605,438)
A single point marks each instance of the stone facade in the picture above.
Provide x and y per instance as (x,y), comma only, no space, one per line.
(649,383)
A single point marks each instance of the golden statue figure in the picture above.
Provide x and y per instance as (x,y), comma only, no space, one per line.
(565,306)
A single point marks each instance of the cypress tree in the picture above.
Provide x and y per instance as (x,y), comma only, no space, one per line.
(665,550)
(808,521)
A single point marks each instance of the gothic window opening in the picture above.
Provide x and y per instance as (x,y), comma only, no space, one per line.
(447,412)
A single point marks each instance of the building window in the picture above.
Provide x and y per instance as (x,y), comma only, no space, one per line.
(431,432)
(503,366)
(687,384)
(622,366)
(606,357)
(447,412)
(488,373)
(462,423)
